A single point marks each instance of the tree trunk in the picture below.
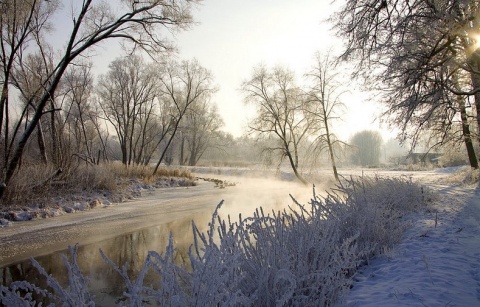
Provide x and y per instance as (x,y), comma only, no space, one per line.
(182,151)
(168,145)
(3,107)
(193,152)
(332,157)
(41,143)
(295,171)
(193,158)
(330,145)
(475,76)
(55,156)
(296,154)
(123,147)
(292,164)
(132,126)
(467,135)
(84,133)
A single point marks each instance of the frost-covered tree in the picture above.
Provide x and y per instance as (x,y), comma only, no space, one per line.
(280,105)
(200,129)
(324,104)
(138,23)
(366,148)
(128,96)
(413,54)
(22,24)
(182,85)
(78,112)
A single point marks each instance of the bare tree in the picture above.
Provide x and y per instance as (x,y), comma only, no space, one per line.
(136,22)
(162,128)
(28,79)
(408,50)
(280,111)
(324,104)
(127,96)
(19,21)
(182,84)
(78,110)
(147,131)
(451,121)
(200,128)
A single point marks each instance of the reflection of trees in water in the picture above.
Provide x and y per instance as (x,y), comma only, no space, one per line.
(130,249)
(26,271)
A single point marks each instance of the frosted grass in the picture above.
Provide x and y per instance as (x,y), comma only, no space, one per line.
(305,255)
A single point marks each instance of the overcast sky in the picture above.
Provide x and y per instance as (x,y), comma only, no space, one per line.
(235,36)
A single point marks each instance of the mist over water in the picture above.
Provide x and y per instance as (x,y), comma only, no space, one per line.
(131,248)
(252,193)
(266,188)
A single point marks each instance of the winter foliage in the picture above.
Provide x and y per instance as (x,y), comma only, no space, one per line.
(306,255)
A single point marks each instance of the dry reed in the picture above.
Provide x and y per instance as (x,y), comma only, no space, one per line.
(36,185)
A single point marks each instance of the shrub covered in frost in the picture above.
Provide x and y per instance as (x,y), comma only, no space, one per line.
(23,293)
(305,255)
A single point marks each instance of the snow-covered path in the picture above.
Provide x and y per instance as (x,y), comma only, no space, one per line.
(438,262)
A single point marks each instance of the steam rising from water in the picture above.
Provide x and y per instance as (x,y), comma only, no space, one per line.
(255,193)
(269,193)
(131,248)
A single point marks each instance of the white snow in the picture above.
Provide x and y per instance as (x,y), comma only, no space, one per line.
(4,222)
(438,261)
(84,201)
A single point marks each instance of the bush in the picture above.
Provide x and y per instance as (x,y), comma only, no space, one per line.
(305,255)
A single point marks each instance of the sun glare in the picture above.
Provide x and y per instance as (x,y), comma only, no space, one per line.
(476,39)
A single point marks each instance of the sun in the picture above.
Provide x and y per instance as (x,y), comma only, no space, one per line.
(476,40)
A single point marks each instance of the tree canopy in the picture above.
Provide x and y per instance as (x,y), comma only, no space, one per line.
(422,59)
(366,148)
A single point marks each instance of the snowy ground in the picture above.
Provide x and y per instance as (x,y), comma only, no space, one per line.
(83,201)
(438,262)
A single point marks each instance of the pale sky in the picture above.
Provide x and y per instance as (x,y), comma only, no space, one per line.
(232,37)
(235,36)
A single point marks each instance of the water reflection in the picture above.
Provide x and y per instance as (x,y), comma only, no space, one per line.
(130,249)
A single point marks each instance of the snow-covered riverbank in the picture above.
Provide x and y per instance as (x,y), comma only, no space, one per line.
(61,205)
(436,264)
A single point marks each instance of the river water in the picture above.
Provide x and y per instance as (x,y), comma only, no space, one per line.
(131,247)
